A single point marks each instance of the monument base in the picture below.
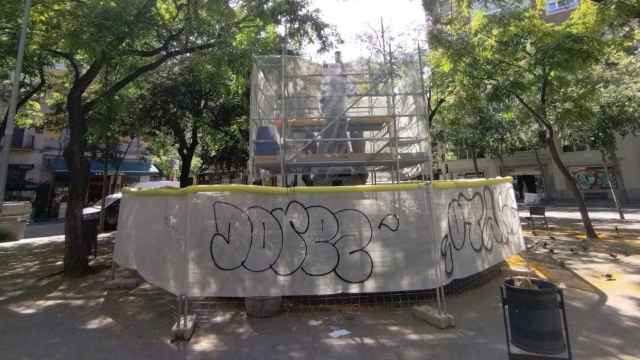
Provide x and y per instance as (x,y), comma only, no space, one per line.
(433,317)
(184,328)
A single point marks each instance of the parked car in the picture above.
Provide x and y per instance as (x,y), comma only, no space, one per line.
(111,208)
(112,203)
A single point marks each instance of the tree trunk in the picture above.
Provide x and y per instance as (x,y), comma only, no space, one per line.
(605,166)
(501,169)
(185,169)
(622,189)
(541,169)
(474,157)
(118,164)
(573,187)
(76,248)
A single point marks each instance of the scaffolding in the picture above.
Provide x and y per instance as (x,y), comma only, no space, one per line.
(338,123)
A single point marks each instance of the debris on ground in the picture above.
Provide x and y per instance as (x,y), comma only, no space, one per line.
(339,333)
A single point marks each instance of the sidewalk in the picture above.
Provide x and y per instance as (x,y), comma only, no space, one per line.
(46,316)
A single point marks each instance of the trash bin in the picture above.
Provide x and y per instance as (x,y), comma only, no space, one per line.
(90,234)
(536,320)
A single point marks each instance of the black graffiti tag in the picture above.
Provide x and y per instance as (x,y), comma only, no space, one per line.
(391,222)
(479,221)
(314,240)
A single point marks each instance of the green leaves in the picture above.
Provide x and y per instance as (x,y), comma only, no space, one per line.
(556,71)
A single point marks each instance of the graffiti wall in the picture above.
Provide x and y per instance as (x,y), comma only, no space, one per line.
(594,178)
(255,241)
(477,228)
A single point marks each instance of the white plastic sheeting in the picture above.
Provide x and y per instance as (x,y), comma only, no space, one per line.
(204,242)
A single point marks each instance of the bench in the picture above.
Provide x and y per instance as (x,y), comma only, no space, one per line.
(537,213)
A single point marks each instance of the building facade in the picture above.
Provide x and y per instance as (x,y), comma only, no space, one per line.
(38,172)
(537,173)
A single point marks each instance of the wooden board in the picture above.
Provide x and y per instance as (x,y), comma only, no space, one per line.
(345,159)
(377,121)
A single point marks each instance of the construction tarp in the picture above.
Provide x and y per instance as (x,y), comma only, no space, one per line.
(243,240)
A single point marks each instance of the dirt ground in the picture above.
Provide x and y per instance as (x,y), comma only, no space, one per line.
(45,316)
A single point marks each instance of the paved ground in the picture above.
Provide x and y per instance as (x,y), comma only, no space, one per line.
(44,316)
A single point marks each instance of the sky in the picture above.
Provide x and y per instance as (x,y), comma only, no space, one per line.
(353,17)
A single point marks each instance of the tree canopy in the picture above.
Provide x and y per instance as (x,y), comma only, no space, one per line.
(548,69)
(137,37)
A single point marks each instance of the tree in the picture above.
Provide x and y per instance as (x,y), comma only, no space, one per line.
(614,113)
(182,102)
(114,126)
(229,147)
(475,118)
(463,119)
(142,35)
(538,64)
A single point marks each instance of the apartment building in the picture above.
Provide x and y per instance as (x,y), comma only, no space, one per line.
(38,172)
(555,10)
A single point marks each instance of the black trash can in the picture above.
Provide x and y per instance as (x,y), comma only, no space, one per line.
(90,234)
(536,317)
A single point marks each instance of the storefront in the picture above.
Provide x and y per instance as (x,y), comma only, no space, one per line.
(18,187)
(126,173)
(528,183)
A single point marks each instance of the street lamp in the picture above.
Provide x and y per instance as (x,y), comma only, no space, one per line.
(13,101)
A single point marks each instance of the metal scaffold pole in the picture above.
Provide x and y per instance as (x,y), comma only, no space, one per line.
(394,117)
(393,138)
(427,128)
(362,117)
(283,115)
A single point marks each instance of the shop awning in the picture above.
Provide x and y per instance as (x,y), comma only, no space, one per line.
(130,167)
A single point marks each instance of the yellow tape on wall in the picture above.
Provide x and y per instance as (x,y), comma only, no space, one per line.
(438,184)
(469,183)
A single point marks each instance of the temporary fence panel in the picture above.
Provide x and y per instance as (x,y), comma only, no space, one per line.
(243,241)
(477,227)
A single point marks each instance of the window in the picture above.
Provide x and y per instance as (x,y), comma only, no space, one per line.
(18,138)
(554,6)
